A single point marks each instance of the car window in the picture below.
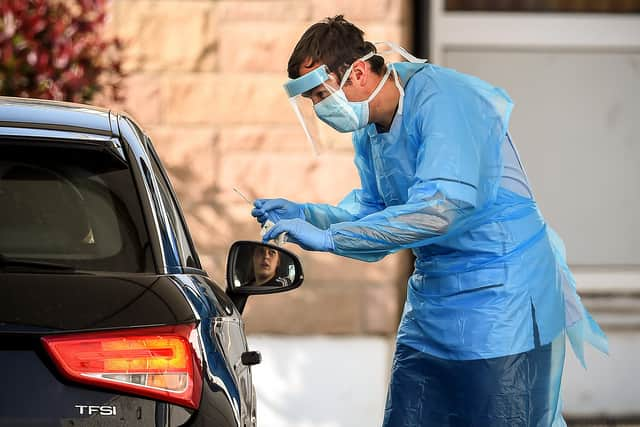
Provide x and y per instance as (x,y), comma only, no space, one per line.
(187,254)
(71,205)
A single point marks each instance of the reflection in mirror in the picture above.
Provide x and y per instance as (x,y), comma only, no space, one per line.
(259,265)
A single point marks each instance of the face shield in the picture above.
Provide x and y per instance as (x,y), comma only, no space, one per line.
(306,90)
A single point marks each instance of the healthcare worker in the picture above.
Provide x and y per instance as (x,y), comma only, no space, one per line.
(491,299)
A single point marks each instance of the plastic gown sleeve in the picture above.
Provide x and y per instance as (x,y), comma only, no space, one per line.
(403,226)
(357,204)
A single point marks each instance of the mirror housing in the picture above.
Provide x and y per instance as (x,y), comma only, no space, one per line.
(256,268)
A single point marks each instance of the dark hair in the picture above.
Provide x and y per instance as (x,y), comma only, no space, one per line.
(334,42)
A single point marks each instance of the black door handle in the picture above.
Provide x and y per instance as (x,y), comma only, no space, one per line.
(250,358)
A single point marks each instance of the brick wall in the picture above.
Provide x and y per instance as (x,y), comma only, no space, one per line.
(205,81)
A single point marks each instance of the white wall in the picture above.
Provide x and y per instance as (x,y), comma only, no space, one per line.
(321,381)
(610,385)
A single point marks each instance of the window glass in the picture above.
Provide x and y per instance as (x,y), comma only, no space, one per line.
(73,205)
(187,257)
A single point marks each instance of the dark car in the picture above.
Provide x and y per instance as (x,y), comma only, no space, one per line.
(106,314)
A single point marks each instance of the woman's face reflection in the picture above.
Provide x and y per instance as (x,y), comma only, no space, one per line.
(265,263)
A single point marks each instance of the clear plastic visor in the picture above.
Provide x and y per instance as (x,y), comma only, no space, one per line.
(306,91)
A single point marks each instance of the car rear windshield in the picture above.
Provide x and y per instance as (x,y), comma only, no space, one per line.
(71,204)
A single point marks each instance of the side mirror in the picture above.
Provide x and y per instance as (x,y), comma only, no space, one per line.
(255,268)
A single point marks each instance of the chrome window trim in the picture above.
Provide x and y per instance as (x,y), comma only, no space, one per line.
(53,126)
(50,133)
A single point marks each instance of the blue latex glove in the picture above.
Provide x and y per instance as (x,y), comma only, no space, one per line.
(276,210)
(304,234)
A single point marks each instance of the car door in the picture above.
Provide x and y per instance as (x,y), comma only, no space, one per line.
(228,330)
(229,334)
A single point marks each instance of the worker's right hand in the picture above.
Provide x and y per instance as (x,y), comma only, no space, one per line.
(276,209)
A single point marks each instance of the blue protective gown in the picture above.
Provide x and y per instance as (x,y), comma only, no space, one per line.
(495,271)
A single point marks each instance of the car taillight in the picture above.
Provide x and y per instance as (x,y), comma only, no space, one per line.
(158,362)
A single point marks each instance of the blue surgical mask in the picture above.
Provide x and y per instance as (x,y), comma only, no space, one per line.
(344,115)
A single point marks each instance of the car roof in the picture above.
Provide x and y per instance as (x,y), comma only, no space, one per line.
(54,115)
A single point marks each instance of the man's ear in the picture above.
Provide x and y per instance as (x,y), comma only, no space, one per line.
(360,73)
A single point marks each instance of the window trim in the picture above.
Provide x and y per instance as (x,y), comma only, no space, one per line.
(174,199)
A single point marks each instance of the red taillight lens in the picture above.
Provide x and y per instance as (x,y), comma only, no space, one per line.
(158,362)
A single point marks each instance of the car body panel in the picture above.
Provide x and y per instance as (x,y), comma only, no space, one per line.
(52,303)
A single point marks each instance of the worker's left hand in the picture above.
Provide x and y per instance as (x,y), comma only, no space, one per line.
(304,234)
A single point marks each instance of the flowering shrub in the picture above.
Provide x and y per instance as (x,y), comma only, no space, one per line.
(54,49)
